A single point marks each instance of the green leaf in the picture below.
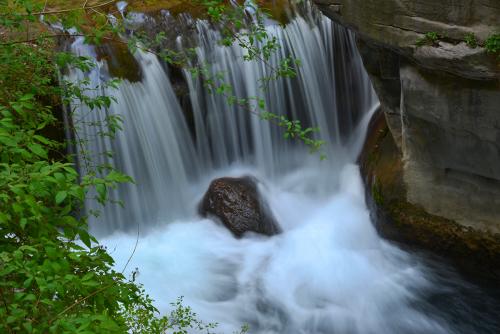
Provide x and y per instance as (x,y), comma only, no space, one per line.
(59,177)
(42,139)
(61,196)
(30,297)
(27,282)
(85,238)
(101,191)
(87,276)
(38,150)
(8,140)
(28,327)
(118,177)
(27,97)
(23,222)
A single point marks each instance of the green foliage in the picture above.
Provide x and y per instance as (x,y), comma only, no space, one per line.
(48,280)
(470,40)
(54,278)
(492,44)
(181,320)
(294,130)
(430,38)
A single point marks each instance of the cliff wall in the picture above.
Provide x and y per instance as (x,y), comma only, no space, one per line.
(440,96)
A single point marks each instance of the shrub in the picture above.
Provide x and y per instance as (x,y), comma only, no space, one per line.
(470,40)
(430,38)
(492,43)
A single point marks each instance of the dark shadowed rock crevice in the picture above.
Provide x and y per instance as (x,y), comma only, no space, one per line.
(237,204)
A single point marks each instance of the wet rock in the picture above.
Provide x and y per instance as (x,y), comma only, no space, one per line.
(236,202)
(120,62)
(475,251)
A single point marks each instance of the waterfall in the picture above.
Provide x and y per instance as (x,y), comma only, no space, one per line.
(154,147)
(157,150)
(226,134)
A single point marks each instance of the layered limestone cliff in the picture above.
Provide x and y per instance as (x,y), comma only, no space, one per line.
(441,99)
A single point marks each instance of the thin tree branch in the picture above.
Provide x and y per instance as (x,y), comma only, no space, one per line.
(133,252)
(81,300)
(59,35)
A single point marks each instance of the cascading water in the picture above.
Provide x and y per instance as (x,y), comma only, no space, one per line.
(226,134)
(328,272)
(155,146)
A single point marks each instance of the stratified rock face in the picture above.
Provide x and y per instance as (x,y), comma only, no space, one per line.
(451,146)
(238,205)
(398,24)
(441,101)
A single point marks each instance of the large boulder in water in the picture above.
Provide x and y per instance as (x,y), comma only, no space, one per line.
(239,206)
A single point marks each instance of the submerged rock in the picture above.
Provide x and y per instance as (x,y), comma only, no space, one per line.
(236,202)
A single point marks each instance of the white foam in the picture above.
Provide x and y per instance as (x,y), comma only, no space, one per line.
(327,272)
